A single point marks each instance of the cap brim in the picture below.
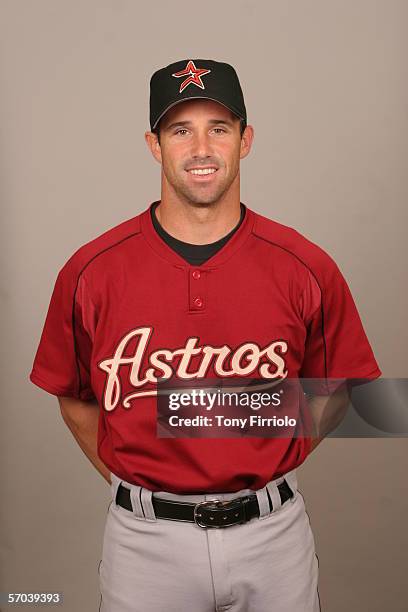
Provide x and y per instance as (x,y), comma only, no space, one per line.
(194,98)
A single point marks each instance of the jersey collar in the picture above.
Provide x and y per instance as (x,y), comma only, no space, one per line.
(220,257)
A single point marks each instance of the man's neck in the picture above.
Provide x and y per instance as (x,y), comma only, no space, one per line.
(198,224)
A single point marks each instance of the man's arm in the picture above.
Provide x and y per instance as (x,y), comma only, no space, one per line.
(82,419)
(327,413)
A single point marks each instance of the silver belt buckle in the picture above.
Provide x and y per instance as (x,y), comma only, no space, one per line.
(215,504)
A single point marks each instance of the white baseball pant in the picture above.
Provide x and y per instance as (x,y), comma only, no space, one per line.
(154,565)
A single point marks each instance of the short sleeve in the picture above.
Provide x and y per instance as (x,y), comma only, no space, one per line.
(62,362)
(336,347)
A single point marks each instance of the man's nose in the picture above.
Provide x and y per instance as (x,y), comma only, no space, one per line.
(201,146)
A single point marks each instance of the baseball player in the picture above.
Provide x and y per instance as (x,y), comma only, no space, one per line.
(198,285)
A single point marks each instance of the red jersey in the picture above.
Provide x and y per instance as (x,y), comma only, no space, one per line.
(127,310)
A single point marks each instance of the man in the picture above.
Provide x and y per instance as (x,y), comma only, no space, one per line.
(199,286)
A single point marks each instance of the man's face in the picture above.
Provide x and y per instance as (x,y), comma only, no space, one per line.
(200,150)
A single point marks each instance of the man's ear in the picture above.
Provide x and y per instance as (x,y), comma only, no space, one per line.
(152,141)
(246,141)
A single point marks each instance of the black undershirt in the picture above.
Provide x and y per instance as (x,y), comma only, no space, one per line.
(195,254)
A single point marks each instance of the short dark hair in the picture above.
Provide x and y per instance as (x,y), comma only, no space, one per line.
(242,126)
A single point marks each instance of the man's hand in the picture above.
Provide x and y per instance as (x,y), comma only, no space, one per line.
(82,419)
(327,412)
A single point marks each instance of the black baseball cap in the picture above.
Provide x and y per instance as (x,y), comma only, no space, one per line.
(195,79)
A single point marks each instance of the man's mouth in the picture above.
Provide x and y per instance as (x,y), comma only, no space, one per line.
(202,171)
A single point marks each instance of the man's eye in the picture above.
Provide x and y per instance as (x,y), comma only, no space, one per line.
(181,131)
(219,130)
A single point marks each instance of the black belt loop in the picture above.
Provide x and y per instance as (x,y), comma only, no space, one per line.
(206,514)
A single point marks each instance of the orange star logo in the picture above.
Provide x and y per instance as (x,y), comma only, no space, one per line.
(193,75)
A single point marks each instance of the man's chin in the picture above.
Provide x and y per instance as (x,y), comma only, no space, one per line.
(200,198)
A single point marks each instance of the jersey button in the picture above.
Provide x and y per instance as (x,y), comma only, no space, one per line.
(196,274)
(198,302)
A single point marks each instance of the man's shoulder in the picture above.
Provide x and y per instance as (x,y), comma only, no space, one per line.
(295,244)
(86,253)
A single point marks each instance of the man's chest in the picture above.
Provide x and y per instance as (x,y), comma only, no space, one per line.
(192,323)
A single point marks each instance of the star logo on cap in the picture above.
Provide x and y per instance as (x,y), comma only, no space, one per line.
(193,75)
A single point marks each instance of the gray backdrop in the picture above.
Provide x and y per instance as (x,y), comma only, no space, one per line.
(326,90)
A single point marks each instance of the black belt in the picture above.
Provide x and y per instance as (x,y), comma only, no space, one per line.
(211,513)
